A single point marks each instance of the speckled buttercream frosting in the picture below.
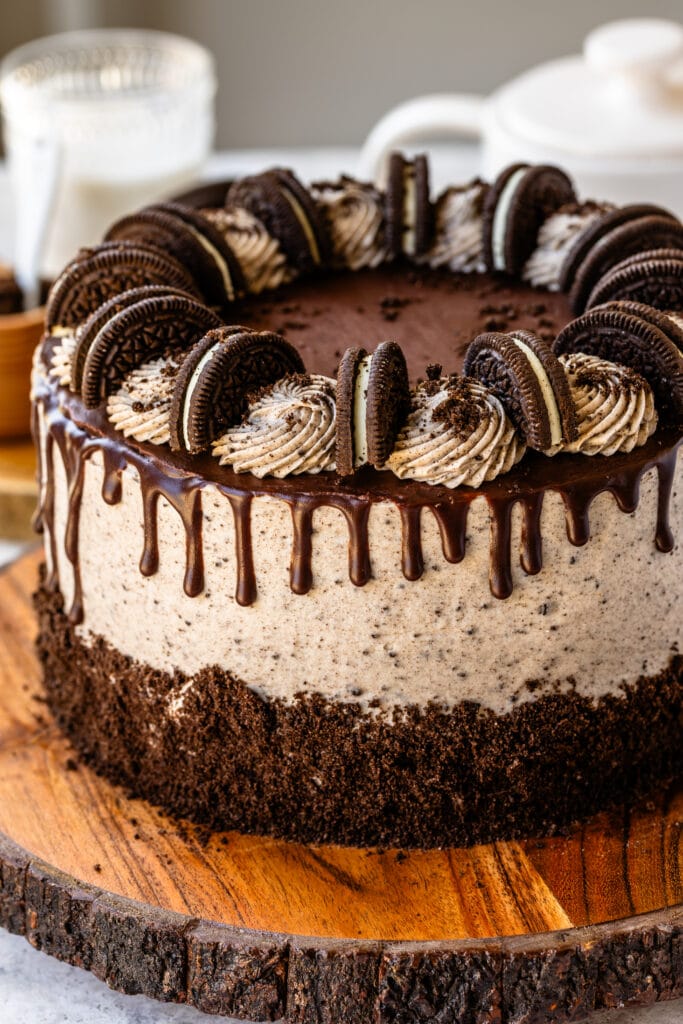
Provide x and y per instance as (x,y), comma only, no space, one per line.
(462,630)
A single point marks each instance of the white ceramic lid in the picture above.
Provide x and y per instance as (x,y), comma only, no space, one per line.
(622,97)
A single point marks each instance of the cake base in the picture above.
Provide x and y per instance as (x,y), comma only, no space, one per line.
(262,929)
(319,771)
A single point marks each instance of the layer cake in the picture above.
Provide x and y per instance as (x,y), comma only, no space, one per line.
(475,639)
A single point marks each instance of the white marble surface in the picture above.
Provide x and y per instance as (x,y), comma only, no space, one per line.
(34,988)
(9,550)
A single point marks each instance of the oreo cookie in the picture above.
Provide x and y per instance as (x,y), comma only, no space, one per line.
(632,340)
(519,201)
(101,272)
(612,247)
(409,213)
(138,333)
(202,197)
(598,227)
(279,200)
(524,373)
(662,320)
(87,333)
(216,378)
(373,401)
(654,278)
(193,241)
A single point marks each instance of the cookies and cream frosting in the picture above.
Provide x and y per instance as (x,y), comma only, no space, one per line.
(615,408)
(676,317)
(141,407)
(260,256)
(457,433)
(289,428)
(458,235)
(355,216)
(61,360)
(555,238)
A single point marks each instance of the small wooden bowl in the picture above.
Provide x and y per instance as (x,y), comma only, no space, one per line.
(19,335)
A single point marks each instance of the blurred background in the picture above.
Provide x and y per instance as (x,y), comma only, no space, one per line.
(306,72)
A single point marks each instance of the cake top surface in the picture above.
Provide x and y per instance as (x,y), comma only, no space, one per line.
(343,270)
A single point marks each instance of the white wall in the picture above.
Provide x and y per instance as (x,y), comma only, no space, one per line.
(306,72)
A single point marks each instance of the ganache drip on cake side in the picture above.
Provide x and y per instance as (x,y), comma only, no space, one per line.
(78,438)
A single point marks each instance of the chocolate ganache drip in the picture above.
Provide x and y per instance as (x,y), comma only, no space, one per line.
(77,435)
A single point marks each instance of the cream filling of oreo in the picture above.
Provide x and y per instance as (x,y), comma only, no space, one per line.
(218,260)
(547,392)
(409,211)
(360,410)
(300,215)
(498,227)
(189,391)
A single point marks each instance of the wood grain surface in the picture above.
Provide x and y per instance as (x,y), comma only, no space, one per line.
(18,489)
(542,929)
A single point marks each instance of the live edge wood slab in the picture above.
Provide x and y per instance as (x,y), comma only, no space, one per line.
(511,933)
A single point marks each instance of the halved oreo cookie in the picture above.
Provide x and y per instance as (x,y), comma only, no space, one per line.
(279,200)
(654,278)
(224,274)
(409,211)
(632,341)
(602,225)
(86,334)
(519,201)
(216,378)
(373,400)
(138,333)
(202,197)
(664,321)
(101,272)
(635,236)
(523,372)
(191,239)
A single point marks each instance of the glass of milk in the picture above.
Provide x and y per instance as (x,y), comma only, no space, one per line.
(96,124)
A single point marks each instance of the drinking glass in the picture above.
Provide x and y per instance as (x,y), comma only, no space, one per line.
(96,124)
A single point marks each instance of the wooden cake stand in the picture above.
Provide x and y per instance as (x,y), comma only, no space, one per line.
(527,931)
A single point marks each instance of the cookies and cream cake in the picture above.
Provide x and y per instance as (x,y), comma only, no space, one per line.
(362,508)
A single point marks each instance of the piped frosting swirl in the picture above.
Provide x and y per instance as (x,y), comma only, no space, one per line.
(355,216)
(61,360)
(260,256)
(458,236)
(141,407)
(615,408)
(555,238)
(289,428)
(457,433)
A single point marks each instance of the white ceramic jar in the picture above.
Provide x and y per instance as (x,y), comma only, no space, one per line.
(612,117)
